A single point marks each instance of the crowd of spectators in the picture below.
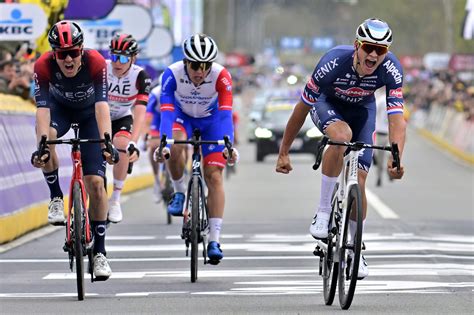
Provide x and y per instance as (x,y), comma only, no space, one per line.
(444,88)
(16,71)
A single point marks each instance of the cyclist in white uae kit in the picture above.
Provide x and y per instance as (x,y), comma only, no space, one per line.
(340,96)
(128,89)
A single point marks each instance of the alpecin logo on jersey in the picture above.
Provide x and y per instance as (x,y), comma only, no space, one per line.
(312,86)
(398,93)
(392,69)
(354,92)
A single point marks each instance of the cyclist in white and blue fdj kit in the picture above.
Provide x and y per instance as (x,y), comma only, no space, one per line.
(197,93)
(340,96)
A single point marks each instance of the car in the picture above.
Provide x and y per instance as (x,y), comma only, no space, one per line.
(269,133)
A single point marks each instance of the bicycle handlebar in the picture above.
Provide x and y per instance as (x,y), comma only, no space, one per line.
(393,148)
(74,141)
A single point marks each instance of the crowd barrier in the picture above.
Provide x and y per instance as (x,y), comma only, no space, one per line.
(449,129)
(24,194)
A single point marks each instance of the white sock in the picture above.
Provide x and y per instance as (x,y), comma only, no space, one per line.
(353,228)
(215,225)
(179,185)
(118,185)
(327,188)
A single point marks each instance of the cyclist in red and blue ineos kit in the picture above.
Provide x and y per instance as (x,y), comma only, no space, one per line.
(129,86)
(340,96)
(71,87)
(197,93)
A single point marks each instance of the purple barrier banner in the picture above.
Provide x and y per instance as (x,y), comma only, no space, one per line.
(21,184)
(88,9)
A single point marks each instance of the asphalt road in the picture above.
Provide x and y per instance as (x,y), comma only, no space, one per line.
(419,237)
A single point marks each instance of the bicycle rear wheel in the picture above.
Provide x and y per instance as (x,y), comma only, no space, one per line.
(77,239)
(349,253)
(195,230)
(330,267)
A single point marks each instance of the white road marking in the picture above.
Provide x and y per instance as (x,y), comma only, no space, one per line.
(29,237)
(383,210)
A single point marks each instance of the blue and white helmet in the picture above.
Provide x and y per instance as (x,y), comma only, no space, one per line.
(200,48)
(374,31)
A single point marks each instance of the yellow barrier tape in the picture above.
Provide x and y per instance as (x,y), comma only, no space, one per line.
(13,103)
(469,158)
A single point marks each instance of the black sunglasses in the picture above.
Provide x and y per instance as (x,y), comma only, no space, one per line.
(196,65)
(62,54)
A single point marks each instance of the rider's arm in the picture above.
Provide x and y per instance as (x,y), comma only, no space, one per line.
(42,79)
(167,101)
(397,130)
(293,126)
(224,100)
(139,108)
(99,77)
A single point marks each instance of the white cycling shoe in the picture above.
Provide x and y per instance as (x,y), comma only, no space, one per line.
(56,211)
(363,267)
(157,195)
(319,227)
(101,267)
(115,212)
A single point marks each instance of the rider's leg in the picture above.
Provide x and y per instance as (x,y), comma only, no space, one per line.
(152,145)
(120,141)
(176,169)
(50,170)
(215,199)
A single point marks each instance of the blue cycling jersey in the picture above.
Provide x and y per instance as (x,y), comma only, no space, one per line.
(336,78)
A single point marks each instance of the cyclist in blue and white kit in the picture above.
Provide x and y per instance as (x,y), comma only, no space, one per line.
(340,96)
(197,93)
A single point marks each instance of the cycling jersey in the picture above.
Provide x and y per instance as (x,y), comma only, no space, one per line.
(207,107)
(337,93)
(335,77)
(81,92)
(153,109)
(127,91)
(73,100)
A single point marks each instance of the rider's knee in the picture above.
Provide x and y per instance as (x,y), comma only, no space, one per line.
(213,177)
(96,187)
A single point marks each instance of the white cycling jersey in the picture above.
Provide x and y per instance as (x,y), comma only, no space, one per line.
(124,92)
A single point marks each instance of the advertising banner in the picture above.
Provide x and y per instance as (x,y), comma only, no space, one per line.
(130,19)
(21,22)
(88,9)
(159,44)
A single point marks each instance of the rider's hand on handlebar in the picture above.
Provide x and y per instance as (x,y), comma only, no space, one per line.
(111,155)
(283,164)
(165,154)
(393,172)
(38,161)
(133,151)
(235,156)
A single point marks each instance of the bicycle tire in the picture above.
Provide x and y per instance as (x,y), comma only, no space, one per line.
(330,267)
(78,247)
(195,230)
(347,263)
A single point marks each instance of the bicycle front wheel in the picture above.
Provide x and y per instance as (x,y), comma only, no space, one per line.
(330,267)
(77,231)
(195,229)
(349,253)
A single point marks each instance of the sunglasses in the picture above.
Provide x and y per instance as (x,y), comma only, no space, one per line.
(204,66)
(62,54)
(123,59)
(368,48)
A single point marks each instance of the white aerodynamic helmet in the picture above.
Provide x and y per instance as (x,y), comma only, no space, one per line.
(200,48)
(374,31)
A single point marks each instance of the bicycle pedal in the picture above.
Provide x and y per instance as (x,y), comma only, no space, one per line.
(318,252)
(363,246)
(100,278)
(214,262)
(59,223)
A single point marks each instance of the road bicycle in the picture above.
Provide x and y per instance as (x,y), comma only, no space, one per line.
(79,240)
(339,255)
(195,222)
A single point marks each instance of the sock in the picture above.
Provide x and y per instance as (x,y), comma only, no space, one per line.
(215,225)
(52,179)
(98,228)
(353,228)
(327,188)
(179,185)
(118,185)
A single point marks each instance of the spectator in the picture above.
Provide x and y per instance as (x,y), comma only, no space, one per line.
(11,80)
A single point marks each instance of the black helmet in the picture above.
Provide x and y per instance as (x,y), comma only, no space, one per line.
(65,34)
(123,44)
